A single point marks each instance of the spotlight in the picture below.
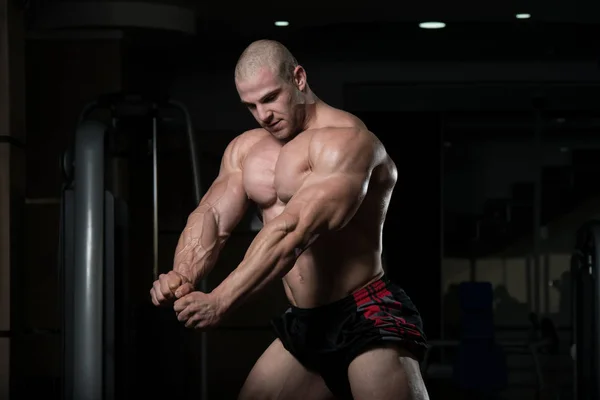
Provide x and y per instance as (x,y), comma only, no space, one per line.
(523,16)
(432,25)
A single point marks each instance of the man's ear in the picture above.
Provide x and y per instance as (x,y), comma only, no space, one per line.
(300,78)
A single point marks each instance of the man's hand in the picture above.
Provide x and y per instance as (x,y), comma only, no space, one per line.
(168,287)
(199,310)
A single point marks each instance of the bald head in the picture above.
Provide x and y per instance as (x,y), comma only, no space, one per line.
(266,53)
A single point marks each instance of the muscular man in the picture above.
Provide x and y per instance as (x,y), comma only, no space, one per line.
(323,183)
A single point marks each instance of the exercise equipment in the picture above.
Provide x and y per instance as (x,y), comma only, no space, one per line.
(586,312)
(93,240)
(479,365)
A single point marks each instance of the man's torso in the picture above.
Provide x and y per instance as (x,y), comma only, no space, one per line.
(338,262)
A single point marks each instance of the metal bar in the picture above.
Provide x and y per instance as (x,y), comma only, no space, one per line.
(109,298)
(576,260)
(193,148)
(546,281)
(124,340)
(42,201)
(537,209)
(528,281)
(67,268)
(155,196)
(195,162)
(442,237)
(442,144)
(538,367)
(596,313)
(88,272)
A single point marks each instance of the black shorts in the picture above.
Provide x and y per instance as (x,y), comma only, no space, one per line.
(326,339)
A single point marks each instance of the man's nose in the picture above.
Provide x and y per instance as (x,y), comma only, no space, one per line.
(264,115)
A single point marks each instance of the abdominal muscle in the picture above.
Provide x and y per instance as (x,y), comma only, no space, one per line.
(334,266)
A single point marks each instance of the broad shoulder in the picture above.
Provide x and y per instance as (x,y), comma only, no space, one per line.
(344,130)
(342,145)
(239,147)
(343,139)
(248,139)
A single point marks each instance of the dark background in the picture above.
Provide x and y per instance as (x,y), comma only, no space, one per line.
(492,121)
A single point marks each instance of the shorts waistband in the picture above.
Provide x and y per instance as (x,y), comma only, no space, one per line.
(377,288)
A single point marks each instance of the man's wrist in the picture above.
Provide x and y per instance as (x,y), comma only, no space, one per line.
(187,277)
(223,302)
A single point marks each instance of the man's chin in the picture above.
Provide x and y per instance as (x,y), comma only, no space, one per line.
(277,132)
(281,134)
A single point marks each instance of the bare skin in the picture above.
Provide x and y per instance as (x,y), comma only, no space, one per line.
(323,183)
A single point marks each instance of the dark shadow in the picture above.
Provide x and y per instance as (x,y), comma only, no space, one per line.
(452,312)
(507,308)
(563,286)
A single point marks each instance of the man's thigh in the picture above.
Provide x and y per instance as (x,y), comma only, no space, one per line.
(278,375)
(386,372)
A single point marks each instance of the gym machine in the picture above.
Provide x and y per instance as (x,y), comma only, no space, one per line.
(93,242)
(585,263)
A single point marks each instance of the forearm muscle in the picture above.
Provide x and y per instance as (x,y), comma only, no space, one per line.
(271,255)
(199,245)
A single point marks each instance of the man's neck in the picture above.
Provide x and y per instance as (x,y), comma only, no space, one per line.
(311,111)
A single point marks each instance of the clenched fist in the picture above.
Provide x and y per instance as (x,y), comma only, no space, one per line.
(199,310)
(169,287)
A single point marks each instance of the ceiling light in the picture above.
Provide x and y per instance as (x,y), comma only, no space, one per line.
(523,16)
(281,23)
(432,25)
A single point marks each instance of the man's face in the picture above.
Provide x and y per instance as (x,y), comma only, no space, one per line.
(272,102)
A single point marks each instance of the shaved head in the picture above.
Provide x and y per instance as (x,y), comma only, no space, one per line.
(274,87)
(266,54)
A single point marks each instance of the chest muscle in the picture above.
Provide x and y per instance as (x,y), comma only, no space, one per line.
(273,173)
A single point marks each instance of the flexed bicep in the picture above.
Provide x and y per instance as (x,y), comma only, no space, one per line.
(330,196)
(225,203)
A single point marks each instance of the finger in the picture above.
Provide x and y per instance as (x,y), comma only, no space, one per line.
(181,317)
(153,297)
(183,302)
(174,280)
(198,322)
(165,289)
(158,292)
(186,314)
(193,321)
(184,289)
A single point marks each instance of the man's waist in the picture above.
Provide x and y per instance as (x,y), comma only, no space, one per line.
(304,296)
